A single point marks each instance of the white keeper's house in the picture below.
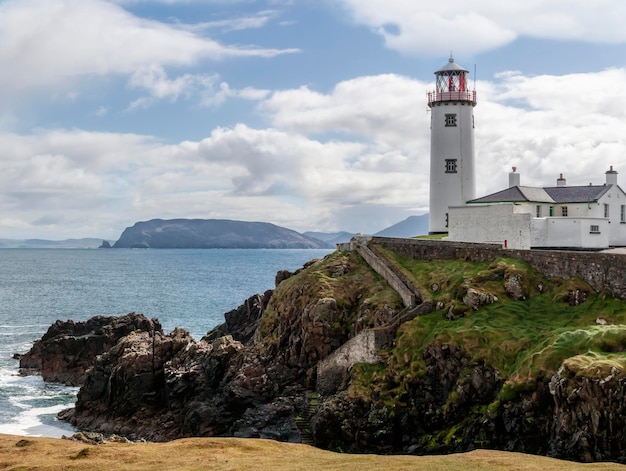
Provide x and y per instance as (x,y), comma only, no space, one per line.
(590,217)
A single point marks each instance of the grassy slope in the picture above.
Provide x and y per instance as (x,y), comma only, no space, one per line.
(19,453)
(525,340)
(358,293)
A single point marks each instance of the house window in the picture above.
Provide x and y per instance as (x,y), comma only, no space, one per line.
(606,210)
(450,120)
(538,209)
(594,229)
(450,165)
(622,213)
(564,211)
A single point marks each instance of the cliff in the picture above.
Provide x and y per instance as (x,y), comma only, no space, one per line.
(213,233)
(68,349)
(494,355)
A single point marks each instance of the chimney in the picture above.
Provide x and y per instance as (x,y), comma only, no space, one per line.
(561,181)
(611,176)
(513,178)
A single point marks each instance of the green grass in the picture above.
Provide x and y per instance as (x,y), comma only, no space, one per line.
(525,341)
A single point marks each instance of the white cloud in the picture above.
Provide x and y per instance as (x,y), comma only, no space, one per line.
(355,158)
(420,27)
(546,125)
(204,89)
(256,21)
(388,109)
(49,43)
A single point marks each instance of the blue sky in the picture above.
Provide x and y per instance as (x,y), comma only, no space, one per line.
(310,114)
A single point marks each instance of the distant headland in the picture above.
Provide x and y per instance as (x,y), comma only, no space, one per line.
(217,233)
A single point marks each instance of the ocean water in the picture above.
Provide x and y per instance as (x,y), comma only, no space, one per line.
(191,289)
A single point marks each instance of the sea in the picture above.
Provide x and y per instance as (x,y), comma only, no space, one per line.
(188,288)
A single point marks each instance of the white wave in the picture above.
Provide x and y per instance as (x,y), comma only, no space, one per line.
(29,423)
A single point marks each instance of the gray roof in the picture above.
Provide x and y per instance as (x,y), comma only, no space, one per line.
(539,195)
(577,194)
(555,194)
(451,66)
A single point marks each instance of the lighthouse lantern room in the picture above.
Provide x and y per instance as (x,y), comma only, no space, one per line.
(452,180)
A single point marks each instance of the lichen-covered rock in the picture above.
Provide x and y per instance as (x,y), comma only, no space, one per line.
(475,298)
(513,287)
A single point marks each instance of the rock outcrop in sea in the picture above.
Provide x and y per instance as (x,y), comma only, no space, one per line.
(68,349)
(494,356)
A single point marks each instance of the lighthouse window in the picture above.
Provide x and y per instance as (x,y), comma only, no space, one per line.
(451,120)
(450,165)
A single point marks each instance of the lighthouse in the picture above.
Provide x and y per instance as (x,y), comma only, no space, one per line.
(452,180)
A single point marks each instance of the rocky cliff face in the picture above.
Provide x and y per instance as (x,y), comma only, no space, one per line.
(68,349)
(249,377)
(482,366)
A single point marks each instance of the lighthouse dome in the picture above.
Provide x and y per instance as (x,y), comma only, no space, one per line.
(451,66)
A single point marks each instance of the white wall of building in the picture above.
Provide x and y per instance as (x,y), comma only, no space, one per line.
(616,199)
(516,224)
(570,232)
(491,224)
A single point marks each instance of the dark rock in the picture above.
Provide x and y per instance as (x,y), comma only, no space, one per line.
(589,422)
(281,276)
(242,322)
(161,387)
(68,349)
(577,297)
(105,245)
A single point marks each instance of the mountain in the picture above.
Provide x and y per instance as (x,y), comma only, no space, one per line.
(213,233)
(331,238)
(410,227)
(87,243)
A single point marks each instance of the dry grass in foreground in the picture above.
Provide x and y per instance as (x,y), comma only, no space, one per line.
(27,453)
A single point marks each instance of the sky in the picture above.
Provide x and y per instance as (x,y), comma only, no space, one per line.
(309,114)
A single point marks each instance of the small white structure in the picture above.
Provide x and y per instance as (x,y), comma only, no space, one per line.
(451,144)
(561,216)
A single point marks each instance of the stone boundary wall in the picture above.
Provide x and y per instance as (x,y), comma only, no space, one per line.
(334,370)
(603,271)
(380,266)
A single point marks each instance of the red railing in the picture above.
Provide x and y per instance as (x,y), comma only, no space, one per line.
(456,95)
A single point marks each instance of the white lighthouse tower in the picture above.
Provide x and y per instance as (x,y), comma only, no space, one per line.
(452,180)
